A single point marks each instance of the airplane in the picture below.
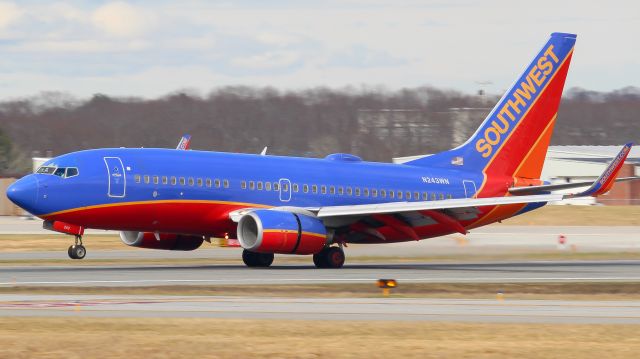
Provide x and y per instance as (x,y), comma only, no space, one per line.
(174,199)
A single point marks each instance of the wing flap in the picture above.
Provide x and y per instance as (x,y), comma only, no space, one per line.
(399,207)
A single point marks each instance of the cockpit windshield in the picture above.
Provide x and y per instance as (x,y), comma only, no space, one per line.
(64,172)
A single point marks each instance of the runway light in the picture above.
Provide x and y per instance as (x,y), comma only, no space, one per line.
(387,285)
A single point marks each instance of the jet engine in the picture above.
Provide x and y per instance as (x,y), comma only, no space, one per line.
(167,241)
(275,231)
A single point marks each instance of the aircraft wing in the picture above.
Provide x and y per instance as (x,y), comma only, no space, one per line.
(399,207)
(529,190)
(600,186)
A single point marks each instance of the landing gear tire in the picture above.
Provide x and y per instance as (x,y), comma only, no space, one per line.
(330,257)
(77,251)
(253,259)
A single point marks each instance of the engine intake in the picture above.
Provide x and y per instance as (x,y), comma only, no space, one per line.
(274,231)
(167,241)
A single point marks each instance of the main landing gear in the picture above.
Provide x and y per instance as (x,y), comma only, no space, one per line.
(254,259)
(77,251)
(329,257)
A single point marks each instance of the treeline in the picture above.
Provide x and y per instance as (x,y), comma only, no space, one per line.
(371,122)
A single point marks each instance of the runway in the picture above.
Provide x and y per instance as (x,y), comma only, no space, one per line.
(482,272)
(361,309)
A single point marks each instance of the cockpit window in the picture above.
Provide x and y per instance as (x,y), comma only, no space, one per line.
(71,172)
(46,170)
(64,172)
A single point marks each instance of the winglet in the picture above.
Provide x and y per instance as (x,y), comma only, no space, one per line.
(606,180)
(184,142)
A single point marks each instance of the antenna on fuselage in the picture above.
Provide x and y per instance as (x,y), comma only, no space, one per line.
(264,151)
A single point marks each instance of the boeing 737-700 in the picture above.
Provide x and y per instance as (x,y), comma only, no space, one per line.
(175,199)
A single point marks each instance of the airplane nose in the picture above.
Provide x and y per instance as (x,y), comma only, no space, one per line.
(24,192)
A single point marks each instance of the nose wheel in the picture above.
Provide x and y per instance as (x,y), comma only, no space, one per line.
(77,251)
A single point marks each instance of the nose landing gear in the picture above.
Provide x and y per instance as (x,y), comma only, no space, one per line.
(77,251)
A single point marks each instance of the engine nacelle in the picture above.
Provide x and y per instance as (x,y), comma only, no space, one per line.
(273,231)
(167,241)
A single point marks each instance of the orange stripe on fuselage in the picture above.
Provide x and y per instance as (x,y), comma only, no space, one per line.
(135,203)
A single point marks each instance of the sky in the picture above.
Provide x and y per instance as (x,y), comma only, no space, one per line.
(152,48)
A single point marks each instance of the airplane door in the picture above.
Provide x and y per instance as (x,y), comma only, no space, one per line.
(285,190)
(469,188)
(117,177)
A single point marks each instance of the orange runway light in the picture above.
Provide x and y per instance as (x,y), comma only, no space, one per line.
(387,285)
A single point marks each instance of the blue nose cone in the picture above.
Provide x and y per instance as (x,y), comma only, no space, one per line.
(24,193)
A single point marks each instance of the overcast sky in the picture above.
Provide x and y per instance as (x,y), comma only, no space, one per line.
(151,48)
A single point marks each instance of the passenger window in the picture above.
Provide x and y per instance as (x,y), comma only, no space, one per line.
(225,183)
(357,191)
(332,190)
(191,181)
(441,196)
(449,196)
(314,188)
(217,183)
(199,182)
(399,194)
(267,186)
(349,191)
(305,188)
(209,183)
(174,180)
(374,193)
(285,186)
(425,196)
(365,192)
(295,187)
(72,172)
(433,196)
(137,178)
(165,180)
(383,193)
(392,194)
(182,181)
(408,196)
(416,195)
(340,190)
(252,185)
(276,186)
(323,189)
(259,186)
(146,179)
(156,180)
(243,184)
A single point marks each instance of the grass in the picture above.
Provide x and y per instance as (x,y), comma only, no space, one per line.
(230,338)
(569,291)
